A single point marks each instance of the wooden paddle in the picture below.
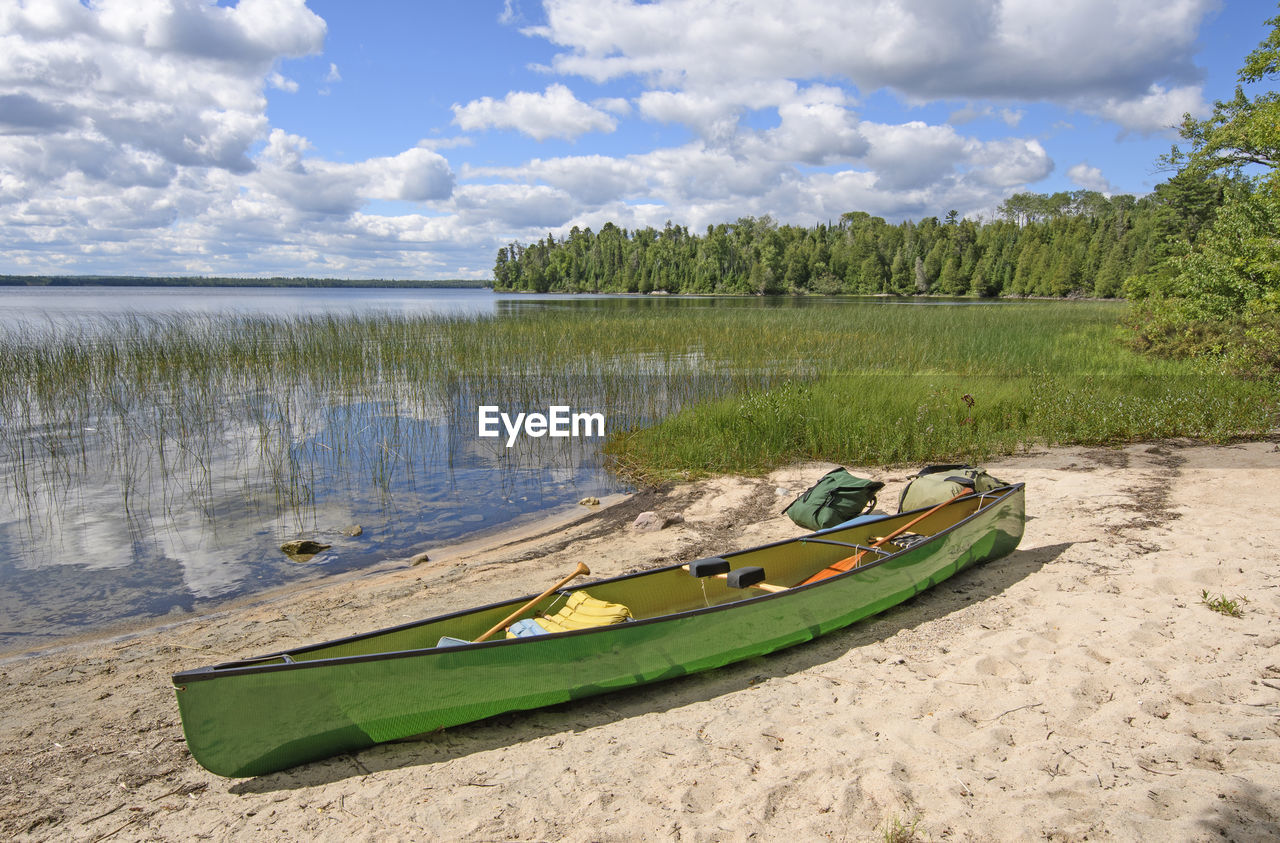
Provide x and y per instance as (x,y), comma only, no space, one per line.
(851,562)
(579,571)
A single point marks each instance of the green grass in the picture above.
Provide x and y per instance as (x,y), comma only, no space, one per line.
(888,385)
(172,409)
(896,831)
(1221,605)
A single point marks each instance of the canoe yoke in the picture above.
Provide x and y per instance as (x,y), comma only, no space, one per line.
(751,576)
(880,549)
(748,576)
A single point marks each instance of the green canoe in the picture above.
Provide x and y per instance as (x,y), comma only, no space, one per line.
(251,717)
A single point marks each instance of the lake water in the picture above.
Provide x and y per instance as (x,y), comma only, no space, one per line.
(75,556)
(41,307)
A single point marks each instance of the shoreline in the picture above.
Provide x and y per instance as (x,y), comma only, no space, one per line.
(1076,689)
(523,529)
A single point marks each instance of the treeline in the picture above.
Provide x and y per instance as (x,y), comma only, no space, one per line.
(1063,244)
(203,281)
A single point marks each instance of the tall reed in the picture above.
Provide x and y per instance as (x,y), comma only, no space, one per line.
(173,411)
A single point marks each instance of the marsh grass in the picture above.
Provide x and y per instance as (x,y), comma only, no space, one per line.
(176,412)
(888,385)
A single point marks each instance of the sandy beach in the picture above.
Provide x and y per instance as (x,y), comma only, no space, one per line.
(1079,689)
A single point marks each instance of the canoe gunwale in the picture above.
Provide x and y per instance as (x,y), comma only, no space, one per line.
(282,661)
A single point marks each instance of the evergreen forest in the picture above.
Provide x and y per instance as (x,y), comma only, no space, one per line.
(1080,243)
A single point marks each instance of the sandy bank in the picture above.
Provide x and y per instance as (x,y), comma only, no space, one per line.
(1078,689)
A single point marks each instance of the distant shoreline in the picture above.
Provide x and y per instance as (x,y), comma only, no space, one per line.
(224,281)
(443,283)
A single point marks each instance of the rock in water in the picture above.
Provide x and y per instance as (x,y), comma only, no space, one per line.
(303,547)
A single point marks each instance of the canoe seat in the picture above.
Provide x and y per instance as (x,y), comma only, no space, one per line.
(711,566)
(745,577)
(580,611)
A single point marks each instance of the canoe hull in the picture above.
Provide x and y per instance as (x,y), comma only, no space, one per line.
(247,719)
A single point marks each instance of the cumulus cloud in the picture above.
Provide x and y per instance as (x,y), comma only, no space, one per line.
(138,131)
(1007,164)
(815,127)
(912,154)
(894,170)
(514,205)
(1011,117)
(592,180)
(614,105)
(325,187)
(23,114)
(554,113)
(1090,178)
(181,79)
(1079,52)
(710,115)
(135,135)
(278,81)
(1156,110)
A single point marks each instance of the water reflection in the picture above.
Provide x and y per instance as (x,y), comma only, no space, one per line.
(165,501)
(53,307)
(100,546)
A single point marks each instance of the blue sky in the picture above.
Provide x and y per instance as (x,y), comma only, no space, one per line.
(412,139)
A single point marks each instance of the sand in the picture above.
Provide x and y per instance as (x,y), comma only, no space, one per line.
(1079,689)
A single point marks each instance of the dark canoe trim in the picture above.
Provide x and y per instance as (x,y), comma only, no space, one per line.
(285,661)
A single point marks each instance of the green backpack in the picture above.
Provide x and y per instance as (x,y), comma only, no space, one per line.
(834,499)
(937,483)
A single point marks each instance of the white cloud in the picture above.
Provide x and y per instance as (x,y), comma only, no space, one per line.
(815,128)
(415,175)
(911,169)
(1084,53)
(555,113)
(132,139)
(1090,178)
(1156,110)
(912,155)
(324,187)
(1007,164)
(1011,117)
(592,180)
(698,173)
(710,115)
(509,14)
(613,105)
(182,80)
(278,81)
(534,207)
(136,134)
